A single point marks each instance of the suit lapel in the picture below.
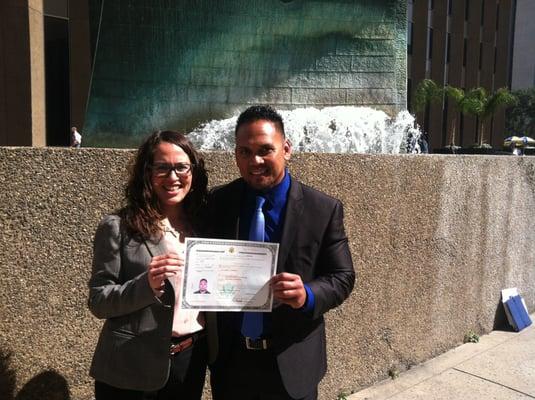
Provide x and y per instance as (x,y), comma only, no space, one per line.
(155,248)
(231,209)
(294,210)
(158,248)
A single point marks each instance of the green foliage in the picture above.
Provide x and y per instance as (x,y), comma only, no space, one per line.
(502,98)
(460,103)
(427,92)
(344,393)
(457,98)
(475,102)
(520,119)
(471,337)
(484,105)
(393,372)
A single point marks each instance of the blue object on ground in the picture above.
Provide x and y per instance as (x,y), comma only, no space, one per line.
(520,317)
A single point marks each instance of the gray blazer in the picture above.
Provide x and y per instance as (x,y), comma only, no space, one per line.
(133,347)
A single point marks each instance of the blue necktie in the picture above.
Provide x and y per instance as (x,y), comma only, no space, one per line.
(252,323)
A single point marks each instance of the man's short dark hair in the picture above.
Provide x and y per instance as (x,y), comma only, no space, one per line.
(260,112)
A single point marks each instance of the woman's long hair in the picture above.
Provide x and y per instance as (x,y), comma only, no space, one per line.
(142,213)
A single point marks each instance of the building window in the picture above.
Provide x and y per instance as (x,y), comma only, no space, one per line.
(409,93)
(461,128)
(482,12)
(464,53)
(409,37)
(466,10)
(480,54)
(448,47)
(429,43)
(426,117)
(497,16)
(445,137)
(410,10)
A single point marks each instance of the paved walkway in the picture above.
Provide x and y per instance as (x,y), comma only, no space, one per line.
(501,366)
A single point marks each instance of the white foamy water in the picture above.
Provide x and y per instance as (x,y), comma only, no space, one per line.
(342,129)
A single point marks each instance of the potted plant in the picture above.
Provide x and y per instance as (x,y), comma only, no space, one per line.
(475,102)
(428,92)
(483,105)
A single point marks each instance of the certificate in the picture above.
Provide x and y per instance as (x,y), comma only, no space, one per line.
(228,275)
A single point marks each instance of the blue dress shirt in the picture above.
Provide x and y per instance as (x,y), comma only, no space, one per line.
(274,210)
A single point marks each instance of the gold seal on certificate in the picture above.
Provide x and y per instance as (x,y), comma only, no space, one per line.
(228,275)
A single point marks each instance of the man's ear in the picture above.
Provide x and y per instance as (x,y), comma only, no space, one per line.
(287,148)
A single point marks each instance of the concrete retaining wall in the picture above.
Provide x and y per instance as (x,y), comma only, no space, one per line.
(434,240)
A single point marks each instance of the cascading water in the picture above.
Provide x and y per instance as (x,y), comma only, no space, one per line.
(342,129)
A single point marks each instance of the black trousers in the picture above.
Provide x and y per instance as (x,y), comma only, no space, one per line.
(186,379)
(250,375)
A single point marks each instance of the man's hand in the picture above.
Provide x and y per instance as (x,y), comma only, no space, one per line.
(289,289)
(163,267)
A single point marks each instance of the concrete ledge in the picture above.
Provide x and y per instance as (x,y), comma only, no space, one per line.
(434,240)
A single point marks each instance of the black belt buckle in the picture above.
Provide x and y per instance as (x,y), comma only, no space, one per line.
(256,344)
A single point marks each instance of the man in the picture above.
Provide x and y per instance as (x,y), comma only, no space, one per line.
(284,357)
(203,287)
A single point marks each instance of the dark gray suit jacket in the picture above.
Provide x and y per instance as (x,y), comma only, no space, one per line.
(133,347)
(314,246)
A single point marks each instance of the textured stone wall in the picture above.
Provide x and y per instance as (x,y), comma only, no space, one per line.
(434,240)
(170,64)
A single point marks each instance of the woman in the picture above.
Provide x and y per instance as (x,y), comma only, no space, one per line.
(148,347)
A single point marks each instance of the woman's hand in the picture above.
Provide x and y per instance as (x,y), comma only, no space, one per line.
(163,267)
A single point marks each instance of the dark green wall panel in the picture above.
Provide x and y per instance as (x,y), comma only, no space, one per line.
(174,64)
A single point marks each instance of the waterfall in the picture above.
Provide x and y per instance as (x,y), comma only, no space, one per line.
(341,129)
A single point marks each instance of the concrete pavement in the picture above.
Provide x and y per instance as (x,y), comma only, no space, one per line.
(500,366)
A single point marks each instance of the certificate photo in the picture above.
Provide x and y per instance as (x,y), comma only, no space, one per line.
(228,275)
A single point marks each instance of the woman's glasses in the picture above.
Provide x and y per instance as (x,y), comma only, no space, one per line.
(162,170)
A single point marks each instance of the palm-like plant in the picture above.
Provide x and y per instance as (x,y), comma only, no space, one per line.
(429,92)
(478,102)
(426,92)
(460,103)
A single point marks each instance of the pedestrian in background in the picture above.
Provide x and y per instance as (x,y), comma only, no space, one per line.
(76,138)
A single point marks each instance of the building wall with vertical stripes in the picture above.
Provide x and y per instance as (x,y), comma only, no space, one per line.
(465,44)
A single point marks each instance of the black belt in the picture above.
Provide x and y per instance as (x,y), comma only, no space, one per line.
(256,344)
(182,343)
